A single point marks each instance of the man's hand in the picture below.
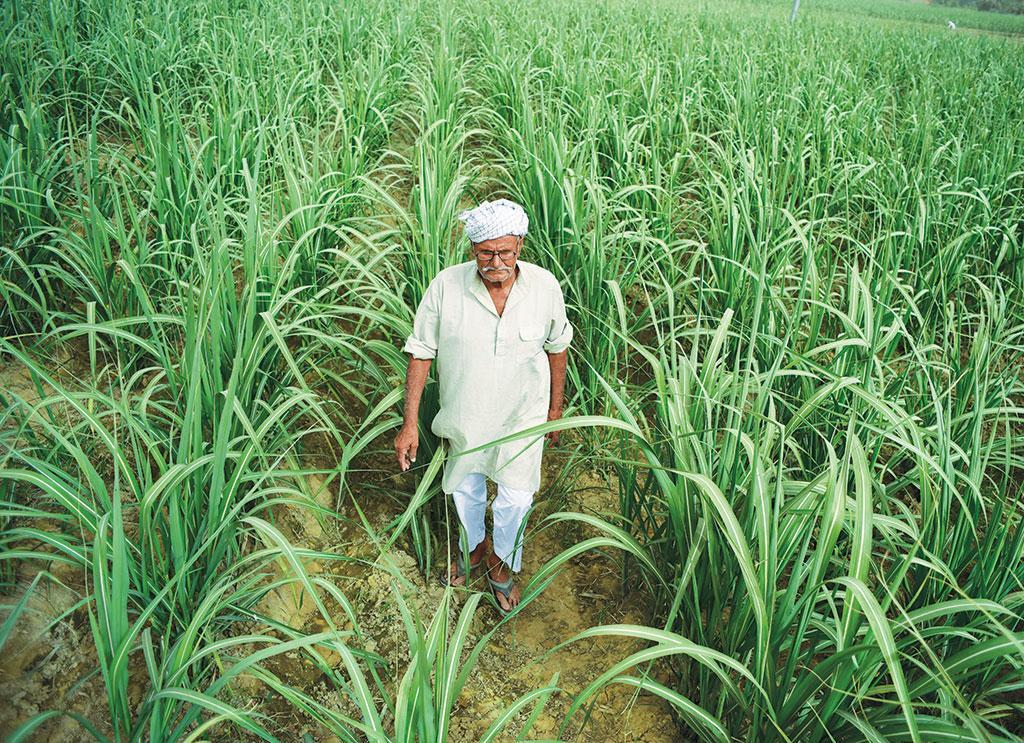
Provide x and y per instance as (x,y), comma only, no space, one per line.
(552,436)
(556,362)
(406,443)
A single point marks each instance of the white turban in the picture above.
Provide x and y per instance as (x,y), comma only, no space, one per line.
(494,219)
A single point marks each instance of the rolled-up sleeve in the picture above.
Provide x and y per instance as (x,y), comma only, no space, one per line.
(559,329)
(426,327)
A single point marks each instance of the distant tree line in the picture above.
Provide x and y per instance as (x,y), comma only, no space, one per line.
(998,6)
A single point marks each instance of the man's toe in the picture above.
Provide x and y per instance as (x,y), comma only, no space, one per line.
(454,578)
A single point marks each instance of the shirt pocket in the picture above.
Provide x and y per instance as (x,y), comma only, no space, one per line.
(531,338)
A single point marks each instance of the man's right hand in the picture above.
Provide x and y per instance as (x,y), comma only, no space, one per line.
(406,442)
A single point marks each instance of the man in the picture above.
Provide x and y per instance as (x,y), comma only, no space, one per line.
(497,327)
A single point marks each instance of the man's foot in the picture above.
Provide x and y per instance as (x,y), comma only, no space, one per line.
(505,591)
(456,576)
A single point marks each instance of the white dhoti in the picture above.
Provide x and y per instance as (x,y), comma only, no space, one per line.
(509,510)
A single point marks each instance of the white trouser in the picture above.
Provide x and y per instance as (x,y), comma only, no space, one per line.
(509,511)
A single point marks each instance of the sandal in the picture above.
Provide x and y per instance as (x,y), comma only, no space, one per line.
(505,589)
(445,579)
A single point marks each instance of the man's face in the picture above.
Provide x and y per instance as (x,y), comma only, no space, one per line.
(496,258)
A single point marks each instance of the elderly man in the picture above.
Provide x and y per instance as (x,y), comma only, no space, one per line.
(497,327)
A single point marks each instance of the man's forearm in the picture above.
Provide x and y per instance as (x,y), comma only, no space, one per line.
(415,380)
(556,361)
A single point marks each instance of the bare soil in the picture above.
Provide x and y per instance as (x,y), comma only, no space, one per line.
(49,661)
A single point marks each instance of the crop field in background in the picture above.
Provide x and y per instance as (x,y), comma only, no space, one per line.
(917,13)
(787,502)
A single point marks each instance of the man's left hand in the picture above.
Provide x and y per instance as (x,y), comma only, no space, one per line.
(552,436)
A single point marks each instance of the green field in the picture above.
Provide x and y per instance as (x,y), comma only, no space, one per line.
(787,502)
(918,13)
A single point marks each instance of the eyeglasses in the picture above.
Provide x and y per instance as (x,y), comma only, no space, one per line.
(487,255)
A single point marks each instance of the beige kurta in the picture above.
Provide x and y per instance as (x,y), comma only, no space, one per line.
(493,370)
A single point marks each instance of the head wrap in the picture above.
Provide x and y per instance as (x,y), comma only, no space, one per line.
(493,219)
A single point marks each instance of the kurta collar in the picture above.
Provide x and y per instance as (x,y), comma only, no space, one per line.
(519,287)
